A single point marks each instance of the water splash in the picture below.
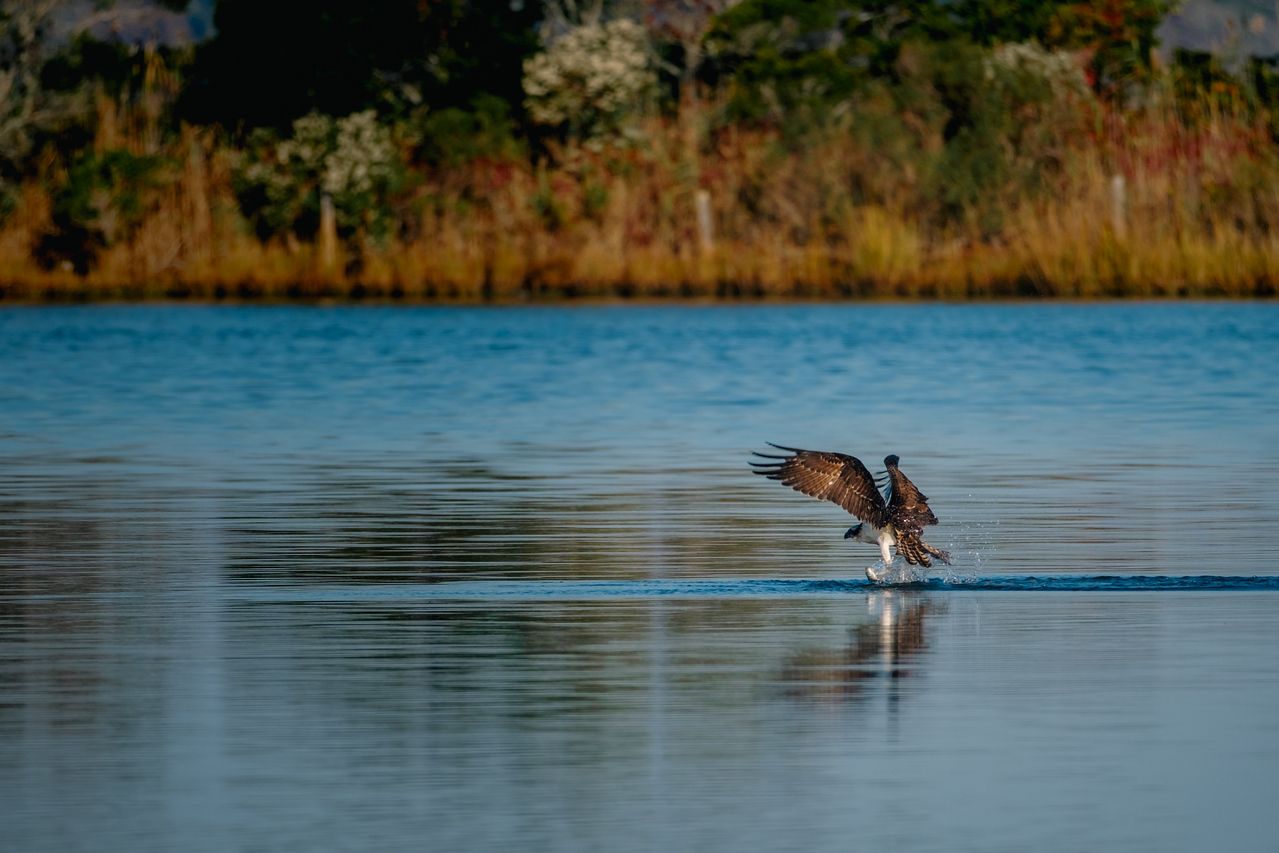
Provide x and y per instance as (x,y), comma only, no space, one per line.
(954,578)
(900,573)
(973,539)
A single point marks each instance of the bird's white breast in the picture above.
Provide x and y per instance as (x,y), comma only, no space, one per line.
(873,535)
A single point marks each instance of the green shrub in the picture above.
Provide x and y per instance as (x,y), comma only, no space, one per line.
(454,136)
(105,199)
(1005,113)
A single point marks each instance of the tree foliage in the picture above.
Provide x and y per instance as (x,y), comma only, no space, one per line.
(778,55)
(342,56)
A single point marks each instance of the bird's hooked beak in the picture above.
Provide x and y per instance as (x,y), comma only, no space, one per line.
(852,532)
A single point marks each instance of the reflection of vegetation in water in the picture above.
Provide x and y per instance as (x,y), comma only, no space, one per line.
(89,560)
(541,662)
(414,520)
(465,519)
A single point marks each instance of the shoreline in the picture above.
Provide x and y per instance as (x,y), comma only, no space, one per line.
(605,301)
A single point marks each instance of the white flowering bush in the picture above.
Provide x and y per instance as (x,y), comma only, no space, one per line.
(364,157)
(591,77)
(1059,70)
(353,160)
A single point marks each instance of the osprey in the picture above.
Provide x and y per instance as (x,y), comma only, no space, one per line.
(895,518)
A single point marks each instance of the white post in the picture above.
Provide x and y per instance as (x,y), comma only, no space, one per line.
(1119,205)
(705,225)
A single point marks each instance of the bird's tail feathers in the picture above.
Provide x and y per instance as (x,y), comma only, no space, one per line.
(944,556)
(918,552)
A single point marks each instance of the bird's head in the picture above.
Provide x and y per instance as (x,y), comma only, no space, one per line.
(890,461)
(853,532)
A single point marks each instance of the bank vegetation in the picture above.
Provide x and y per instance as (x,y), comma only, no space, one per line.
(742,151)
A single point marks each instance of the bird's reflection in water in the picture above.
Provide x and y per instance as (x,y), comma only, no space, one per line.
(884,648)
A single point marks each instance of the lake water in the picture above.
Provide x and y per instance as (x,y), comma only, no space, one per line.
(462,579)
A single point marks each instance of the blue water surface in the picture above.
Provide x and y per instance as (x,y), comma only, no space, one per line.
(307,578)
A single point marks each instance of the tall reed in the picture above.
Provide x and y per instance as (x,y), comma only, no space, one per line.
(1154,204)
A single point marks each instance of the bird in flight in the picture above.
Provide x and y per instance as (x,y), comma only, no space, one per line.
(895,518)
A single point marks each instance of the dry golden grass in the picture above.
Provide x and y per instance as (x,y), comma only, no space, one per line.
(623,223)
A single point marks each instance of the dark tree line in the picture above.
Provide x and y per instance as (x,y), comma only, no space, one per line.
(264,69)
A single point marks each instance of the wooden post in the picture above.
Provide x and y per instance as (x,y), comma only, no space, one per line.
(705,224)
(1119,205)
(328,234)
(199,217)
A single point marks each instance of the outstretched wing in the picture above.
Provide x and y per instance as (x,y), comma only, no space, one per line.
(833,477)
(907,506)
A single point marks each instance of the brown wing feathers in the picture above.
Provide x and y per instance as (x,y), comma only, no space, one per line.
(835,477)
(845,480)
(907,506)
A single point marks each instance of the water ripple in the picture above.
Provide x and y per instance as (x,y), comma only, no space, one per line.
(747,588)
